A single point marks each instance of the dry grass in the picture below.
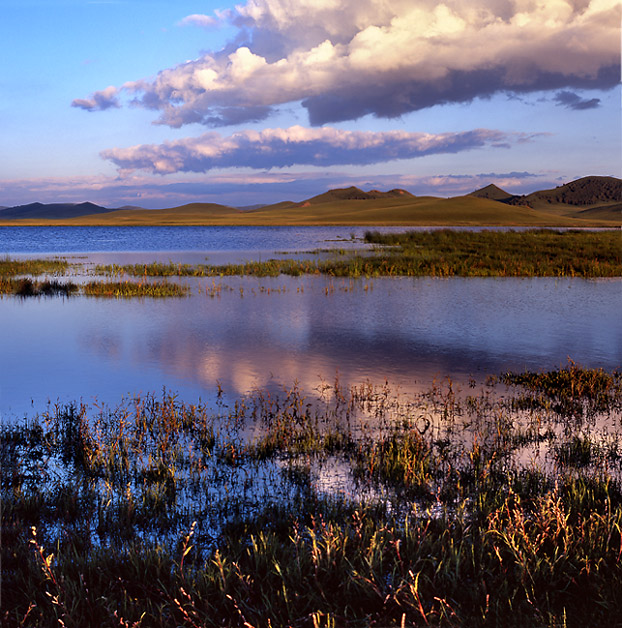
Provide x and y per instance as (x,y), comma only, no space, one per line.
(425,210)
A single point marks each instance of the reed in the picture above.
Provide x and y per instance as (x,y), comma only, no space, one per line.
(455,508)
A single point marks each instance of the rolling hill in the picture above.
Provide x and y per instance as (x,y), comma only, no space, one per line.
(589,197)
(591,201)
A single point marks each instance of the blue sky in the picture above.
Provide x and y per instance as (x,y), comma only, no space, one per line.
(159,103)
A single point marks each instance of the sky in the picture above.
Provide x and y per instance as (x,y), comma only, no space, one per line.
(155,103)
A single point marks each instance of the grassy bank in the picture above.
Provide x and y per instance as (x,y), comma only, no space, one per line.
(333,507)
(440,253)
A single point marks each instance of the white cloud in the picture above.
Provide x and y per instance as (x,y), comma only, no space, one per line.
(197,19)
(277,148)
(347,58)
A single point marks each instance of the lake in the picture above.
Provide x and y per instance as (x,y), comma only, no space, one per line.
(243,333)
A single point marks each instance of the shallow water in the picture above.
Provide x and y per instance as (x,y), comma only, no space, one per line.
(268,332)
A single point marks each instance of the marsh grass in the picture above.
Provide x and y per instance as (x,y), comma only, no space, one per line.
(534,253)
(437,253)
(11,267)
(26,287)
(160,513)
(16,278)
(127,289)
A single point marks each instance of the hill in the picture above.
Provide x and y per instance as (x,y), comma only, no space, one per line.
(591,201)
(593,197)
(492,192)
(352,194)
(51,211)
(586,191)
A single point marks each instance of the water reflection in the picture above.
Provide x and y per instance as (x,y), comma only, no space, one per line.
(265,332)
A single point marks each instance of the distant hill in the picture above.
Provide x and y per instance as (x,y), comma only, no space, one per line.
(585,191)
(352,194)
(492,192)
(52,211)
(590,201)
(592,197)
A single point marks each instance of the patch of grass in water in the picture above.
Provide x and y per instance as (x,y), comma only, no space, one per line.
(127,289)
(448,523)
(26,287)
(11,267)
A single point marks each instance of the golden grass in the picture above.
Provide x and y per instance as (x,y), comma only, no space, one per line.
(410,211)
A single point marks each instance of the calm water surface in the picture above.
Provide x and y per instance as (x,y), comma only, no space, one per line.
(268,332)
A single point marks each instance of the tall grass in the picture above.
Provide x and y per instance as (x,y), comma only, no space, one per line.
(453,508)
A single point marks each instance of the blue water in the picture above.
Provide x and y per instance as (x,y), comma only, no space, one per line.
(272,331)
(55,240)
(59,240)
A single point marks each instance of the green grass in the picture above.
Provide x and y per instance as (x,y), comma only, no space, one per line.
(459,508)
(128,289)
(11,267)
(535,253)
(439,253)
(25,286)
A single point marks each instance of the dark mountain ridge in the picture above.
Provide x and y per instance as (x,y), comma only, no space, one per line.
(52,210)
(587,191)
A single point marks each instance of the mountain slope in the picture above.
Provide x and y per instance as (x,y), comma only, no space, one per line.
(586,191)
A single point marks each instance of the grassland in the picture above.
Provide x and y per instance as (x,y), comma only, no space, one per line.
(456,508)
(437,253)
(408,210)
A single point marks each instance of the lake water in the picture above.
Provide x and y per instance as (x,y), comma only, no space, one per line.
(268,332)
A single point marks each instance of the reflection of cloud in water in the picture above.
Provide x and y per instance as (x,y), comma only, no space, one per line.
(304,329)
(400,330)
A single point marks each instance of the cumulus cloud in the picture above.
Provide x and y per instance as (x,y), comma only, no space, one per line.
(343,59)
(574,101)
(276,148)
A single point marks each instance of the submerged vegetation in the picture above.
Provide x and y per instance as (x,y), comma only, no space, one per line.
(436,253)
(338,507)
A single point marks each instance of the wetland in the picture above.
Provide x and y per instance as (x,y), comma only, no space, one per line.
(309,430)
